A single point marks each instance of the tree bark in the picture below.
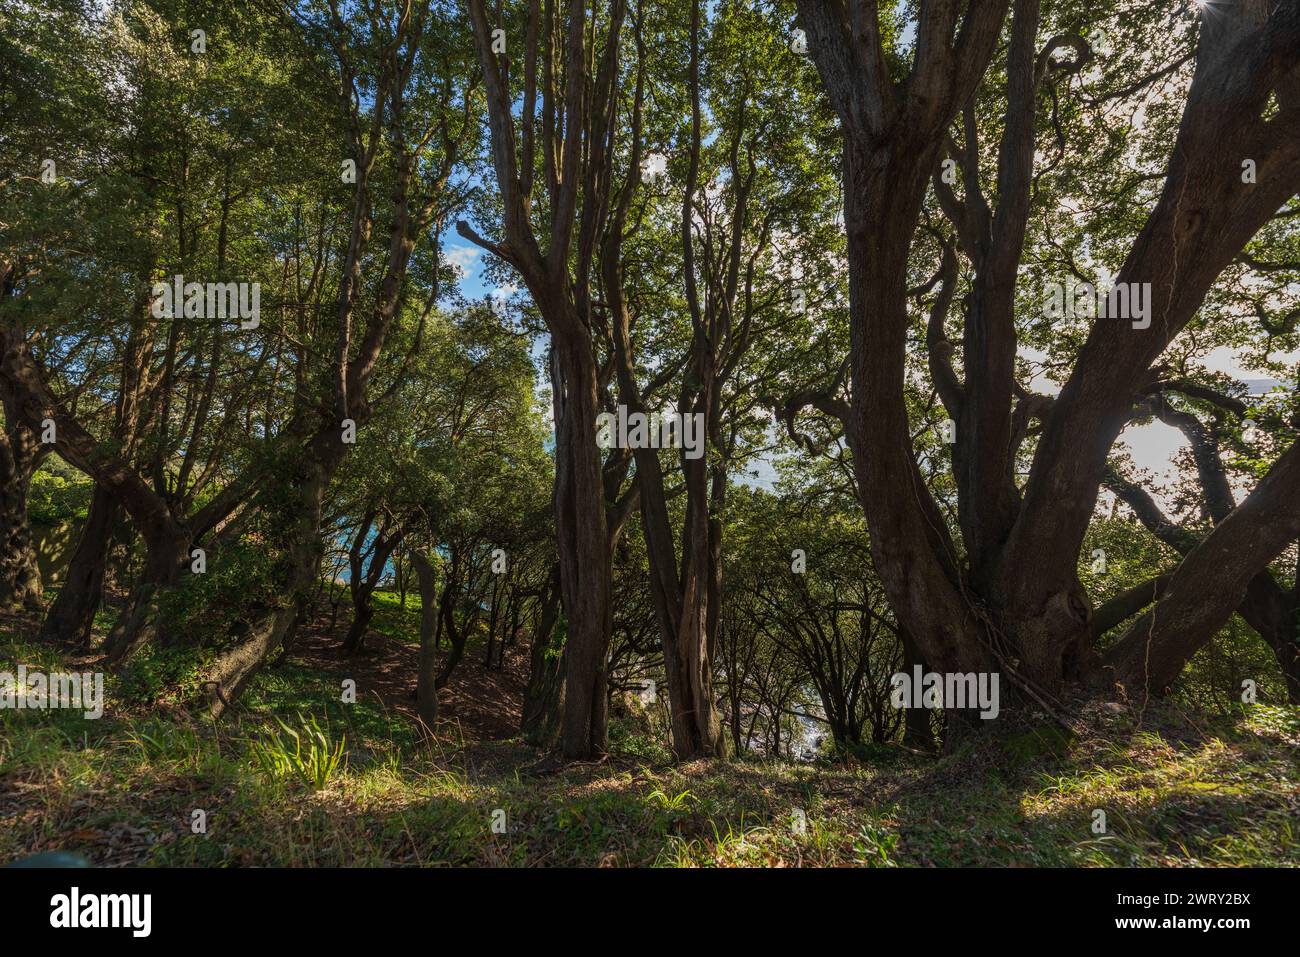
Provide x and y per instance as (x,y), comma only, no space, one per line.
(1015,595)
(364,579)
(72,616)
(20,575)
(584,556)
(544,698)
(426,692)
(1268,608)
(1245,53)
(1275,615)
(232,672)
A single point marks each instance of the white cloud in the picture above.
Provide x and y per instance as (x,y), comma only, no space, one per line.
(464,258)
(503,292)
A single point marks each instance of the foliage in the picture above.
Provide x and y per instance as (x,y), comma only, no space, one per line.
(302,750)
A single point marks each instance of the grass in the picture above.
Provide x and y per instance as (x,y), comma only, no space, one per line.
(392,619)
(360,788)
(300,749)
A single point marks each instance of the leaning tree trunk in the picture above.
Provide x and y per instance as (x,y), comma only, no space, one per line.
(235,668)
(363,612)
(72,616)
(1284,641)
(1245,55)
(1210,583)
(168,551)
(1274,613)
(457,636)
(1287,651)
(363,588)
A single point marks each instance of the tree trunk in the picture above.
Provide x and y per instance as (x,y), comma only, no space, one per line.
(584,554)
(231,673)
(456,636)
(27,397)
(492,624)
(426,692)
(1287,651)
(72,615)
(1281,632)
(363,612)
(20,576)
(544,698)
(562,294)
(916,721)
(364,580)
(1020,600)
(1210,582)
(139,623)
(883,196)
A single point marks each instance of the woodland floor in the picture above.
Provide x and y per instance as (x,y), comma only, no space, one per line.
(1177,789)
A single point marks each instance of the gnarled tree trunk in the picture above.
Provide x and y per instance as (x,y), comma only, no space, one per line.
(364,578)
(1013,601)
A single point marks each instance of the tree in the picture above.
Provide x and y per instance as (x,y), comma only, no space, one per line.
(416,127)
(820,611)
(576,123)
(20,454)
(1010,596)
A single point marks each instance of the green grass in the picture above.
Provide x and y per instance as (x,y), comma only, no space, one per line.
(300,749)
(393,620)
(124,791)
(365,790)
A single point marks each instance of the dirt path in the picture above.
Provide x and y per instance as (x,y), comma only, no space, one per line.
(486,704)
